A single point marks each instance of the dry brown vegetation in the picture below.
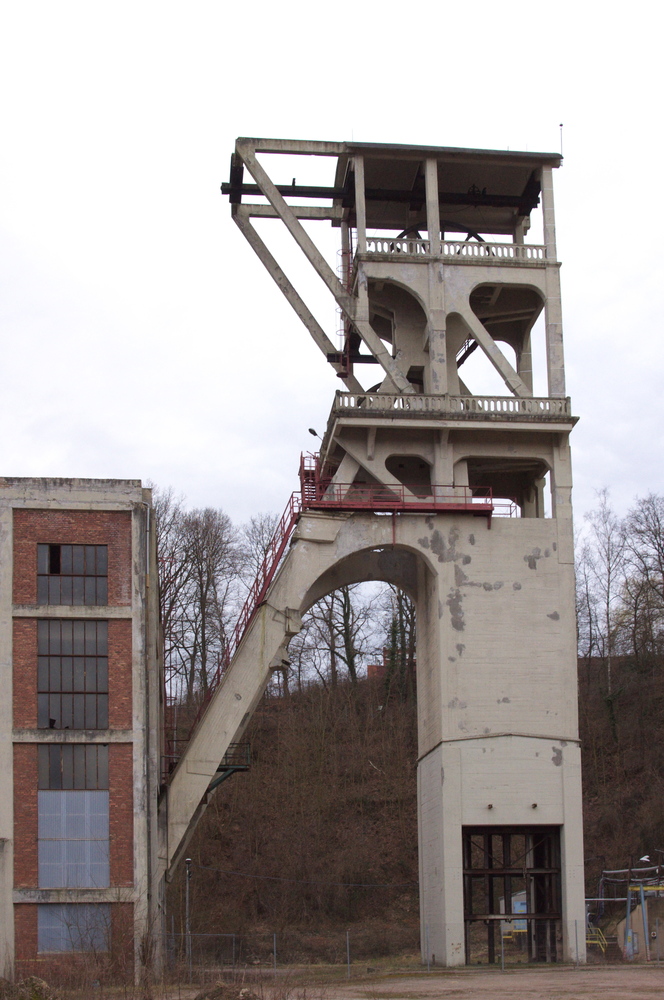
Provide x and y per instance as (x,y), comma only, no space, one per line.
(331,798)
(328,806)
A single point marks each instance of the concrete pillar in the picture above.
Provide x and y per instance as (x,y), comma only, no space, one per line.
(525,363)
(6,749)
(360,205)
(441,862)
(553,306)
(571,849)
(433,208)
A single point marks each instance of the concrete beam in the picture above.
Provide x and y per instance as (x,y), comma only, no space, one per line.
(494,354)
(318,335)
(347,303)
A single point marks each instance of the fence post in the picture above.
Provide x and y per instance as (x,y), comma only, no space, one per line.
(657,933)
(576,936)
(187,925)
(274,951)
(427,947)
(348,954)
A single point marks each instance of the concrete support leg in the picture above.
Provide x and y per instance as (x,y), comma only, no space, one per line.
(571,850)
(441,862)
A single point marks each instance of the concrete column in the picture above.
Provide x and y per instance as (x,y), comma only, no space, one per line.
(561,481)
(143,806)
(436,378)
(553,307)
(548,213)
(441,861)
(433,207)
(443,459)
(571,849)
(6,749)
(525,363)
(360,205)
(436,381)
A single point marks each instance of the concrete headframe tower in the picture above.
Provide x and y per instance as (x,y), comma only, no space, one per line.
(435,266)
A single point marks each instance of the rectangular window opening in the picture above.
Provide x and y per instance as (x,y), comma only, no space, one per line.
(73,927)
(72,574)
(72,674)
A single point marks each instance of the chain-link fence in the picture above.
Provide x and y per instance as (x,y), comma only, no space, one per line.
(336,954)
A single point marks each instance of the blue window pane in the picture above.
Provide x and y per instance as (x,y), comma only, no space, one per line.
(65,927)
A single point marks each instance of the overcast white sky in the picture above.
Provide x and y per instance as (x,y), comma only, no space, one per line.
(140,336)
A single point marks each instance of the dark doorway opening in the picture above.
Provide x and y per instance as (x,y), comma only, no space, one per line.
(511,881)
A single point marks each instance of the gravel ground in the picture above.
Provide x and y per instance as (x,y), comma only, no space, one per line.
(619,983)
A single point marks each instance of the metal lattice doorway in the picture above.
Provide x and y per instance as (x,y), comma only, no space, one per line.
(512,908)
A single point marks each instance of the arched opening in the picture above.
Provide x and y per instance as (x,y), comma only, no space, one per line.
(521,481)
(400,321)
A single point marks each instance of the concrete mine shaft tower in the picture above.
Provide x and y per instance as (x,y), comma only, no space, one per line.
(411,476)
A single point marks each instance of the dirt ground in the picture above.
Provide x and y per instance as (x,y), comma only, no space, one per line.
(615,983)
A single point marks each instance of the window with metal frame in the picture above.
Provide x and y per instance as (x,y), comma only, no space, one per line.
(73,839)
(72,674)
(72,574)
(64,766)
(73,816)
(63,927)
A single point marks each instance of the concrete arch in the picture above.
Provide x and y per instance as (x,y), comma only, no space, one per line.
(403,287)
(500,453)
(394,564)
(509,284)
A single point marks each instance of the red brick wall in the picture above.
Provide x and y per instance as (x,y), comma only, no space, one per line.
(25,673)
(25,815)
(25,928)
(72,527)
(122,941)
(121,809)
(119,673)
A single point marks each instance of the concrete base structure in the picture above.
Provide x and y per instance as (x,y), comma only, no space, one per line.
(497,715)
(410,478)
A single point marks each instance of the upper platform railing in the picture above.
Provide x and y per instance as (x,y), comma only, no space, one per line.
(460,251)
(473,407)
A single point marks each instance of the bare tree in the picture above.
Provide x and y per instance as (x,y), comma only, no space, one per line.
(401,645)
(643,595)
(213,551)
(603,568)
(256,536)
(339,633)
(201,557)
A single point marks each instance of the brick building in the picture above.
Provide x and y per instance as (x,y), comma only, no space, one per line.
(80,699)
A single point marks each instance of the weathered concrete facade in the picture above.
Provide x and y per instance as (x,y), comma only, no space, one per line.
(411,475)
(80,723)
